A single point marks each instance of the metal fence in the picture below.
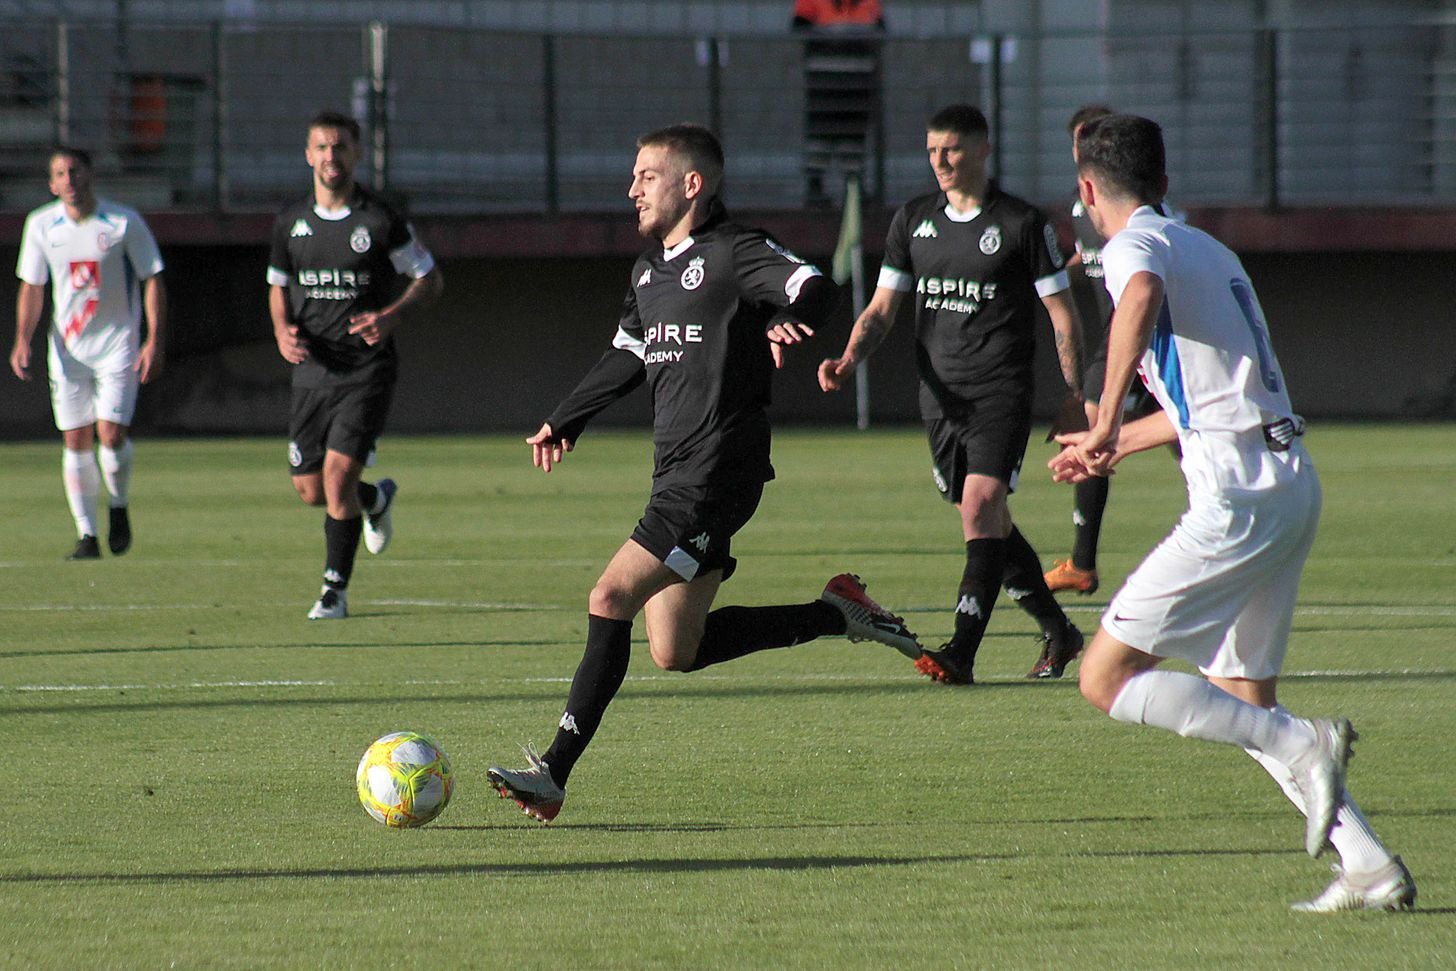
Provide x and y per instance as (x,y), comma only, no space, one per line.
(210,117)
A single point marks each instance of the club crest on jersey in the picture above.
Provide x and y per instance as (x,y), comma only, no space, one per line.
(359,239)
(926,230)
(991,240)
(300,228)
(103,242)
(692,277)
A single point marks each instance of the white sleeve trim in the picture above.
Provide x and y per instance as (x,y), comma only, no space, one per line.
(1055,283)
(795,283)
(893,279)
(278,278)
(412,259)
(626,342)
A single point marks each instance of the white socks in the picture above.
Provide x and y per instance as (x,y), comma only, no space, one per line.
(1274,738)
(1360,849)
(1194,708)
(83,483)
(116,471)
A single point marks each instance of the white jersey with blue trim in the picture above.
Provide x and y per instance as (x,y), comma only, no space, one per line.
(1210,362)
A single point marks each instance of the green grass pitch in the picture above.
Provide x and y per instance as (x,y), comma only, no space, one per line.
(181,742)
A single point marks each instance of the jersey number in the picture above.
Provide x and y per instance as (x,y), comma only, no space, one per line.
(1244,297)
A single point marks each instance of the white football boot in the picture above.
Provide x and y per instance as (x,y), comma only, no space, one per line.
(1390,888)
(532,788)
(333,604)
(378,526)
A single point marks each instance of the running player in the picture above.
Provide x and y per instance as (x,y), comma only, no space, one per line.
(703,325)
(977,261)
(334,273)
(105,272)
(1219,591)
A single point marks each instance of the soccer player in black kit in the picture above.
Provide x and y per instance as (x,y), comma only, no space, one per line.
(335,271)
(705,321)
(975,260)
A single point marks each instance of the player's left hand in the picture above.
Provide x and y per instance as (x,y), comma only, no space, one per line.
(783,334)
(149,362)
(372,325)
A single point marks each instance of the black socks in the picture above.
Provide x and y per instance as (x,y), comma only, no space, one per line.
(1027,585)
(1089,500)
(600,674)
(980,584)
(341,542)
(733,632)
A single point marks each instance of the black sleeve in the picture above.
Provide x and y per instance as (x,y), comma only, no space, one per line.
(815,304)
(619,371)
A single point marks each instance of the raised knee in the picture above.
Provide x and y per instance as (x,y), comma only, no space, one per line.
(609,601)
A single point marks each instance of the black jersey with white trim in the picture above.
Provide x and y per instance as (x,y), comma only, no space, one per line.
(976,279)
(693,327)
(334,268)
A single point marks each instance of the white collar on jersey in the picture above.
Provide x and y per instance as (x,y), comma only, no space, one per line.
(332,215)
(678,250)
(956,216)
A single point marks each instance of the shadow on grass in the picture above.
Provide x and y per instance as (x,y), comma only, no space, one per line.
(688,865)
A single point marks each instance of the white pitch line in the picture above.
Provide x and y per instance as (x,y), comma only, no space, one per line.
(463,604)
(719,678)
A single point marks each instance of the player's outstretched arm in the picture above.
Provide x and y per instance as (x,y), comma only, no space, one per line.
(546,449)
(869,330)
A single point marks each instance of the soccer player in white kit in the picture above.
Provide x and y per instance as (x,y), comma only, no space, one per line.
(105,271)
(1219,590)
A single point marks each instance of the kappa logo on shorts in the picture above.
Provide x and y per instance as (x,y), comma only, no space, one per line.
(926,230)
(295,455)
(701,541)
(692,277)
(359,240)
(991,240)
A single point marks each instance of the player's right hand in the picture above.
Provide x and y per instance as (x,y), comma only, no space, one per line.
(833,372)
(20,361)
(293,347)
(547,449)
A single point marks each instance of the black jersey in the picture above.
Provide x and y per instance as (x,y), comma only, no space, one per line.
(1089,247)
(692,327)
(335,268)
(976,283)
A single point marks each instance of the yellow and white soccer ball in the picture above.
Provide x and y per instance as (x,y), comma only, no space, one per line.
(404,780)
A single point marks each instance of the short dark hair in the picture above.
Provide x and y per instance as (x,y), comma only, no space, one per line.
(961,119)
(1127,153)
(335,119)
(1086,113)
(696,145)
(70,152)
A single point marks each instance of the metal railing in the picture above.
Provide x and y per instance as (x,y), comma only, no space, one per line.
(210,117)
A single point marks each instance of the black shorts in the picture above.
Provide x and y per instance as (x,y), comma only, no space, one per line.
(690,527)
(346,418)
(988,439)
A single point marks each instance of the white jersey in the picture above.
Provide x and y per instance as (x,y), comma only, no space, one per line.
(95,267)
(1210,363)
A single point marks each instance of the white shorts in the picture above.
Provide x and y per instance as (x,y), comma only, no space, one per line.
(1219,591)
(82,395)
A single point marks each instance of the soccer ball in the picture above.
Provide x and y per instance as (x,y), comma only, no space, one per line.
(404,780)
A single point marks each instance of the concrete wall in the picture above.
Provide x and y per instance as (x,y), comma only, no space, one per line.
(1360,335)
